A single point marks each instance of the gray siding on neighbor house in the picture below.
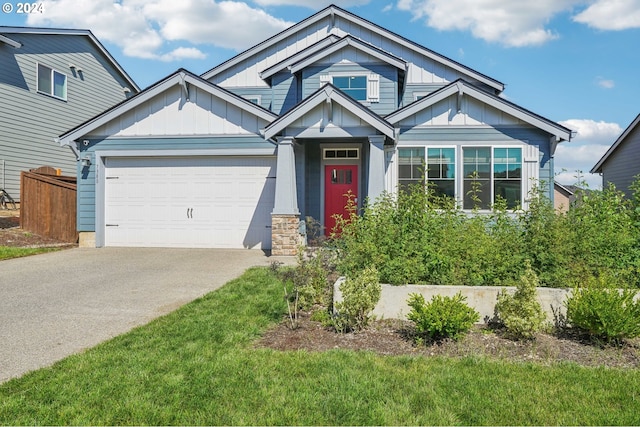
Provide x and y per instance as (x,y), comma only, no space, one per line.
(86,217)
(388,82)
(624,163)
(490,136)
(30,120)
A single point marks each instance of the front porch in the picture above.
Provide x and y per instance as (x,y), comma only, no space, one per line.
(313,177)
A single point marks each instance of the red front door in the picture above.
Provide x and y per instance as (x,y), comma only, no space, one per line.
(338,180)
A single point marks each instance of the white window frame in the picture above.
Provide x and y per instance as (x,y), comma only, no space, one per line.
(459,169)
(256,99)
(52,74)
(372,83)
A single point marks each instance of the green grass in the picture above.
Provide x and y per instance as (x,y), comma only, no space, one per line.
(7,252)
(198,366)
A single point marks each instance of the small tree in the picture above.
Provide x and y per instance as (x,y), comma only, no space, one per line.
(360,295)
(521,312)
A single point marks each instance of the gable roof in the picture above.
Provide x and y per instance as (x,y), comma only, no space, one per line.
(598,167)
(276,68)
(332,11)
(461,87)
(10,42)
(329,93)
(341,44)
(180,77)
(72,32)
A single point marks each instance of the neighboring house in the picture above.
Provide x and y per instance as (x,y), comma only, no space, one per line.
(239,156)
(50,81)
(621,163)
(563,197)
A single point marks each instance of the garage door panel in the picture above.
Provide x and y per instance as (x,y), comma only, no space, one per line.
(221,202)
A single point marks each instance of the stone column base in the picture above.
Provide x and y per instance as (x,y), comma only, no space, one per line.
(87,239)
(285,234)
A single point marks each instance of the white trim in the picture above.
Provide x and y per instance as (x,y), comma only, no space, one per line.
(459,166)
(332,11)
(10,42)
(71,32)
(52,74)
(348,161)
(178,78)
(460,87)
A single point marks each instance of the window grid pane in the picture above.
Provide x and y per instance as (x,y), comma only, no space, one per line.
(507,174)
(477,178)
(441,170)
(410,167)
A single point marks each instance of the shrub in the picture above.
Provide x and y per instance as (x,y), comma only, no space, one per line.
(442,317)
(604,313)
(360,294)
(521,313)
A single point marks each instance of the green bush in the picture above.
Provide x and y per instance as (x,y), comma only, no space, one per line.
(521,313)
(417,237)
(605,313)
(442,317)
(360,294)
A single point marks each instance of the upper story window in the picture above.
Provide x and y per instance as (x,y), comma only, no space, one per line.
(361,87)
(354,86)
(52,82)
(256,99)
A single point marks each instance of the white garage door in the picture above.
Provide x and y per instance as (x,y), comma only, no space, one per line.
(209,202)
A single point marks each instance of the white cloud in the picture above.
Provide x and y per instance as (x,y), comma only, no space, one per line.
(312,4)
(141,28)
(590,131)
(605,83)
(611,15)
(512,23)
(591,141)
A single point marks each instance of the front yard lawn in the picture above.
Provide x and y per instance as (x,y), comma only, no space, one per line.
(7,252)
(198,366)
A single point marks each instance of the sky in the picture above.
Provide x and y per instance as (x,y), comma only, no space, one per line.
(575,62)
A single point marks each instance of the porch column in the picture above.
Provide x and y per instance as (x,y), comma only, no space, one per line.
(285,218)
(375,184)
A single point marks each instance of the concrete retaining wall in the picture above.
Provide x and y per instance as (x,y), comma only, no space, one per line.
(393,300)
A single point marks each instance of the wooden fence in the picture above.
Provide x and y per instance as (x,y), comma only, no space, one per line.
(48,204)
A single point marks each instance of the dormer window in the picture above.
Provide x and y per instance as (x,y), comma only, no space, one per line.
(361,87)
(52,82)
(354,86)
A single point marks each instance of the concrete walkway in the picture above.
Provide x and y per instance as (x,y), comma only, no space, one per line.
(56,304)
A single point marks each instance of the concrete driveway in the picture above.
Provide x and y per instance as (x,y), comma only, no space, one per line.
(57,304)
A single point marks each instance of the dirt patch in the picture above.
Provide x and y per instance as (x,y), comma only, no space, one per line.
(12,235)
(395,337)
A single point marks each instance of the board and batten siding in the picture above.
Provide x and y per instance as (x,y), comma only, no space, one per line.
(624,163)
(30,120)
(169,114)
(421,69)
(86,215)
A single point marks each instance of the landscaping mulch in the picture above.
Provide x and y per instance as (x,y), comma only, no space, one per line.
(395,337)
(13,236)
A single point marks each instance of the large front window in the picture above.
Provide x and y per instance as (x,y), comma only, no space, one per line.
(489,174)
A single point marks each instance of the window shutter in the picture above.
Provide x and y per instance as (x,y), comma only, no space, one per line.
(373,88)
(324,79)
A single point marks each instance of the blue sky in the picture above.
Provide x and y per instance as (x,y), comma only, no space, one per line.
(575,62)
